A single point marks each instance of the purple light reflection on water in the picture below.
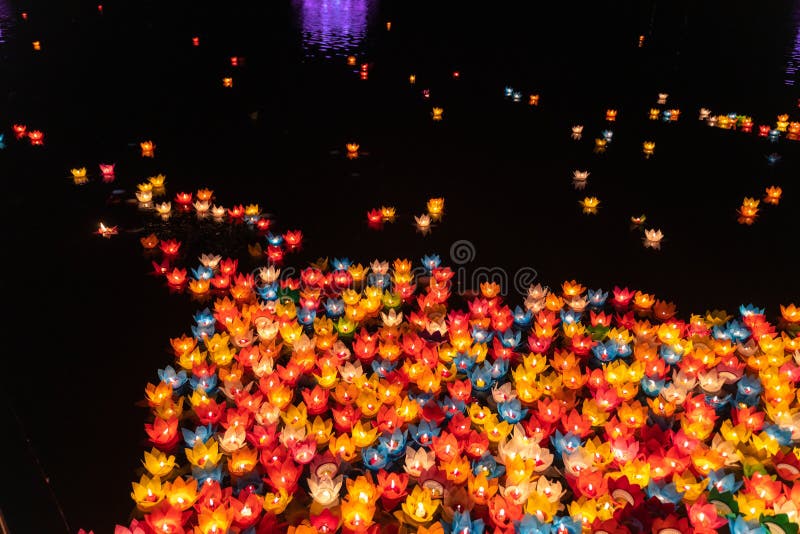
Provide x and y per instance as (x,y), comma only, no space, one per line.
(793,62)
(333,27)
(5,19)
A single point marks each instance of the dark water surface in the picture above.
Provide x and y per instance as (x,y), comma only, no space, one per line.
(88,328)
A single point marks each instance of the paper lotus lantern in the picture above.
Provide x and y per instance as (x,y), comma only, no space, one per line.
(144,197)
(351,61)
(423,222)
(652,238)
(37,45)
(107,171)
(638,220)
(227,82)
(107,231)
(164,208)
(183,199)
(388,213)
(437,113)
(590,205)
(648,148)
(36,137)
(773,195)
(20,130)
(148,149)
(157,181)
(352,150)
(579,179)
(600,145)
(611,115)
(654,114)
(704,114)
(412,79)
(533,100)
(577,132)
(79,175)
(662,98)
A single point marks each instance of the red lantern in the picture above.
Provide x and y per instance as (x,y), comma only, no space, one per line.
(184,199)
(275,254)
(263,224)
(196,41)
(236,212)
(763,130)
(293,238)
(170,247)
(20,130)
(176,277)
(36,137)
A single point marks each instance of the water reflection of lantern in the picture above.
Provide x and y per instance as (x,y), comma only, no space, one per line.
(37,45)
(611,115)
(648,147)
(773,195)
(577,132)
(148,149)
(533,100)
(590,205)
(36,138)
(437,113)
(652,238)
(227,82)
(352,150)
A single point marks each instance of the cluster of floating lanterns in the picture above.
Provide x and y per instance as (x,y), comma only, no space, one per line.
(783,127)
(424,222)
(748,211)
(355,399)
(21,132)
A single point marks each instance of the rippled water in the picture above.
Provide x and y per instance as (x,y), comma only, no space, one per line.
(6,15)
(793,62)
(333,27)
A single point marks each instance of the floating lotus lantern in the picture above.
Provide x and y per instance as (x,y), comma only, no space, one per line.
(533,100)
(107,231)
(577,132)
(773,195)
(107,171)
(37,45)
(148,149)
(782,124)
(195,41)
(144,197)
(579,179)
(654,114)
(590,205)
(600,145)
(648,148)
(351,61)
(652,238)
(79,175)
(638,220)
(352,150)
(20,130)
(704,114)
(164,208)
(437,113)
(412,79)
(611,115)
(227,82)
(662,98)
(36,137)
(423,222)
